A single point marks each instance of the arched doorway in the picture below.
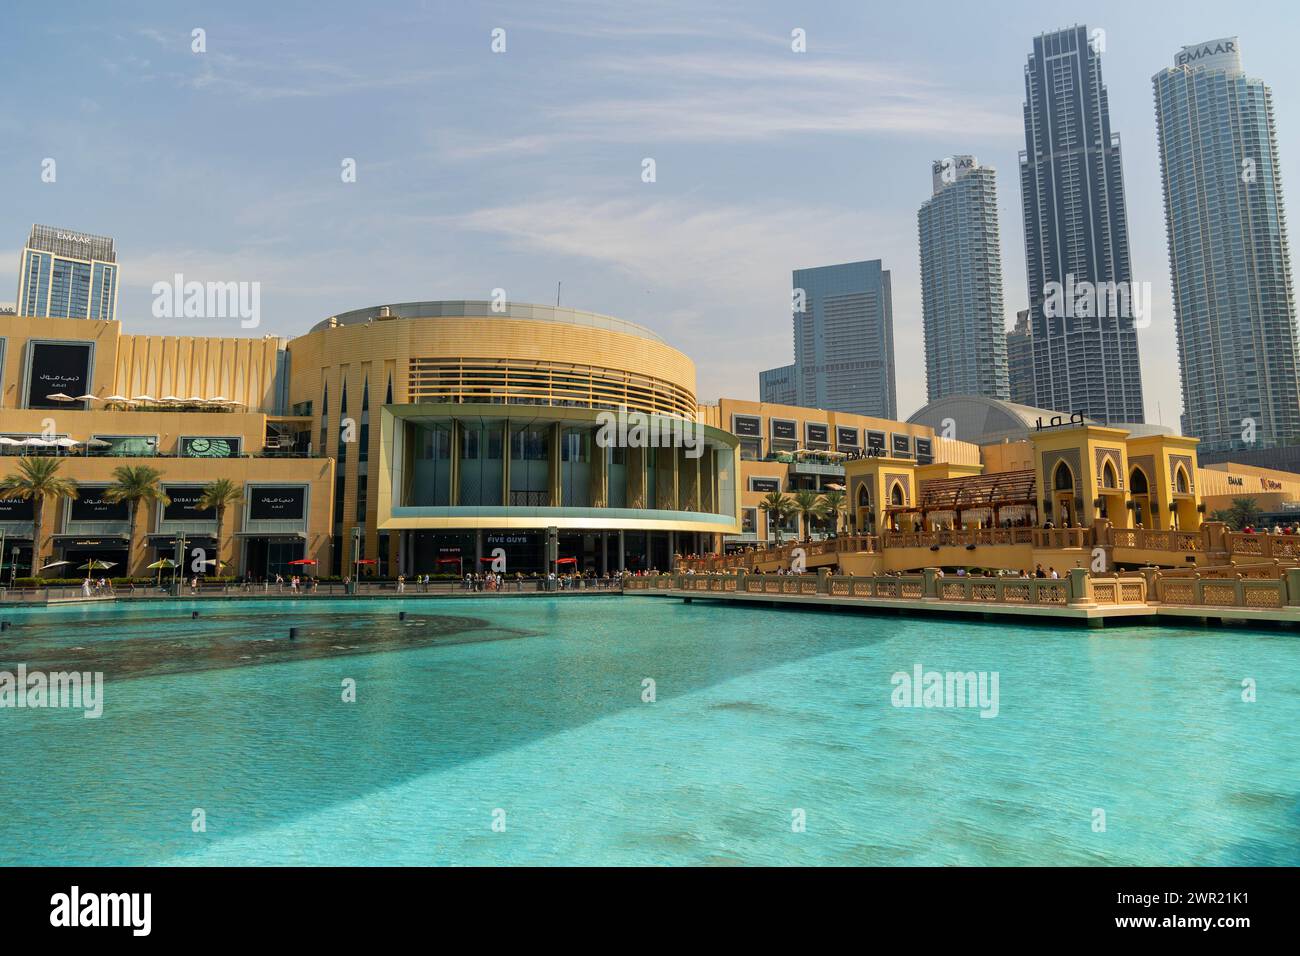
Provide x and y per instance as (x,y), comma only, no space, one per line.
(1144,514)
(1111,499)
(896,500)
(1063,496)
(1182,511)
(865,519)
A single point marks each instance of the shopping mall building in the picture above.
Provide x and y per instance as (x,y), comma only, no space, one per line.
(432,437)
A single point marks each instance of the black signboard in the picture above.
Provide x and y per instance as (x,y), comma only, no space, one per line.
(747,426)
(846,437)
(876,442)
(58,368)
(924,454)
(185,505)
(267,502)
(14,509)
(902,446)
(765,485)
(784,430)
(209,447)
(89,505)
(818,434)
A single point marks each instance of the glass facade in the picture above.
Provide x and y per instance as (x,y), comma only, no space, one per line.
(844,339)
(961,283)
(67,275)
(1228,255)
(1076,231)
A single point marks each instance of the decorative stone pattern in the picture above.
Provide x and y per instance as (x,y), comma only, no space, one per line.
(1051,594)
(1219,594)
(1186,462)
(1116,457)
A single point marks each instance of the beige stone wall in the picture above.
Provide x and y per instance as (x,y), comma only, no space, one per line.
(239,369)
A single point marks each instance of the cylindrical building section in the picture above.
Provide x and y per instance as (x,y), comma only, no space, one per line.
(464,430)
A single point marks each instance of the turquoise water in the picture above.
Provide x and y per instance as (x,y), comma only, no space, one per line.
(534,707)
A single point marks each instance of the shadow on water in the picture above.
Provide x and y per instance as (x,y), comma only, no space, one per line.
(165,643)
(237,719)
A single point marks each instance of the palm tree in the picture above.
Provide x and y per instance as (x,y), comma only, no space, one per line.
(134,484)
(778,507)
(220,494)
(1245,512)
(36,480)
(809,505)
(837,506)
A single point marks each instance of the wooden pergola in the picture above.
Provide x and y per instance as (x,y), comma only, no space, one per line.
(976,492)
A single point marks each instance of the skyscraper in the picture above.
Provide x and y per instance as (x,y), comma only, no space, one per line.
(1082,300)
(69,275)
(844,339)
(961,282)
(777,386)
(1228,257)
(1020,360)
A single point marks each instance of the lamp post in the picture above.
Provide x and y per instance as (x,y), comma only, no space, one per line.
(181,541)
(356,558)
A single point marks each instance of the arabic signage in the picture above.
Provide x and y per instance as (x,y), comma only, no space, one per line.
(1058,421)
(276,502)
(924,452)
(846,437)
(817,434)
(876,444)
(89,505)
(747,426)
(902,446)
(57,368)
(765,485)
(783,430)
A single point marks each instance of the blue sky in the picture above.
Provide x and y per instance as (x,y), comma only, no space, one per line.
(478,171)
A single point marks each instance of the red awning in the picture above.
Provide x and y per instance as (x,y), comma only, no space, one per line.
(566,560)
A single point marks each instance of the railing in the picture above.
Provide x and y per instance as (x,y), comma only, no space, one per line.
(1248,590)
(308,589)
(1199,591)
(1283,546)
(1077,588)
(781,554)
(1174,541)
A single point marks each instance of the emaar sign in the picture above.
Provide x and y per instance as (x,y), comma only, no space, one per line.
(1221,54)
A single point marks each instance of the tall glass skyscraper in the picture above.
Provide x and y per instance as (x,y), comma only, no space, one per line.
(1081,297)
(67,275)
(961,282)
(1228,256)
(843,340)
(777,385)
(1020,360)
